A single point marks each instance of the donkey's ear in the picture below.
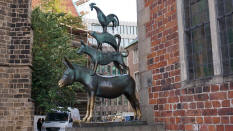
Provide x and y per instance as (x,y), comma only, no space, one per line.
(67,63)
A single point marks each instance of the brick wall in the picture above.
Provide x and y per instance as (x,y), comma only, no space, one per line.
(133,66)
(16,108)
(203,105)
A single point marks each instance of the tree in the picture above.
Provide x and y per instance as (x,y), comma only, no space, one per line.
(51,44)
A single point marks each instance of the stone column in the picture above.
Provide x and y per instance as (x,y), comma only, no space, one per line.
(16,108)
(144,50)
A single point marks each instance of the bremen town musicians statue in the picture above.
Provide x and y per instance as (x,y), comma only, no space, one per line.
(97,85)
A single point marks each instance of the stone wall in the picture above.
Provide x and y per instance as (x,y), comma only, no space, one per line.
(16,108)
(180,105)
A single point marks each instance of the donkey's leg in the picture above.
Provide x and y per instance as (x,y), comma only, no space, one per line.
(92,101)
(88,109)
(139,113)
(138,110)
(132,104)
(135,104)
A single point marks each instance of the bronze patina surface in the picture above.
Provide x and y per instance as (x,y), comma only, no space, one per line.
(103,19)
(103,58)
(101,86)
(97,85)
(108,38)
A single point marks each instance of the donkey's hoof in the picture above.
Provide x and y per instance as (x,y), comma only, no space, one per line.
(88,119)
(83,120)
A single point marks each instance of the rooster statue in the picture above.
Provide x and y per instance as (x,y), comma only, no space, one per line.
(105,20)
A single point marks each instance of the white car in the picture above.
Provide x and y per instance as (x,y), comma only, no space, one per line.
(57,121)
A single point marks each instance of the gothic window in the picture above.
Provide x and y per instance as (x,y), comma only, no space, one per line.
(198,39)
(225,22)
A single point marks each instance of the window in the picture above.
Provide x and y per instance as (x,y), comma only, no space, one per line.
(128,29)
(119,100)
(198,39)
(135,56)
(118,71)
(135,30)
(127,42)
(136,77)
(103,69)
(123,42)
(109,69)
(122,29)
(225,22)
(131,30)
(125,29)
(125,100)
(113,70)
(115,101)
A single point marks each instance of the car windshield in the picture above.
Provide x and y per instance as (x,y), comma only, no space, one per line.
(56,117)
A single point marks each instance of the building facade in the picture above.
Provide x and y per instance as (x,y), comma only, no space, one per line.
(133,61)
(185,63)
(128,32)
(16,106)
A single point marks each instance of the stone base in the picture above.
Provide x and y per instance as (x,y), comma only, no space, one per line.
(116,126)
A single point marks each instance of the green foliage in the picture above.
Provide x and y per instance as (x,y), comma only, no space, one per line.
(51,44)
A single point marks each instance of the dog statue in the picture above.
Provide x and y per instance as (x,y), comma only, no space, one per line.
(103,58)
(108,38)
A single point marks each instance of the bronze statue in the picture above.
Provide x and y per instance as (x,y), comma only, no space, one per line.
(103,58)
(106,37)
(105,20)
(102,86)
(107,87)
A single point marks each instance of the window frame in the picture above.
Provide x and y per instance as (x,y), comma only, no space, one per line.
(219,31)
(135,55)
(216,56)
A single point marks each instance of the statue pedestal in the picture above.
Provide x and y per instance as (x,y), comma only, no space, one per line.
(116,126)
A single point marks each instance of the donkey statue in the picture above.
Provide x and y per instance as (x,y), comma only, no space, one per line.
(104,58)
(105,20)
(108,38)
(107,87)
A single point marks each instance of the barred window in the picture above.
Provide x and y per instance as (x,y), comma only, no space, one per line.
(198,39)
(225,22)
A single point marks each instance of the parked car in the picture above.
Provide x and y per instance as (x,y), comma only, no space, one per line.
(57,121)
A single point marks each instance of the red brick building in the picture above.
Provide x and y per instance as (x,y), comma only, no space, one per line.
(132,61)
(186,63)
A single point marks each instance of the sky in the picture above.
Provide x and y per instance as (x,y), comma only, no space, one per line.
(125,9)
